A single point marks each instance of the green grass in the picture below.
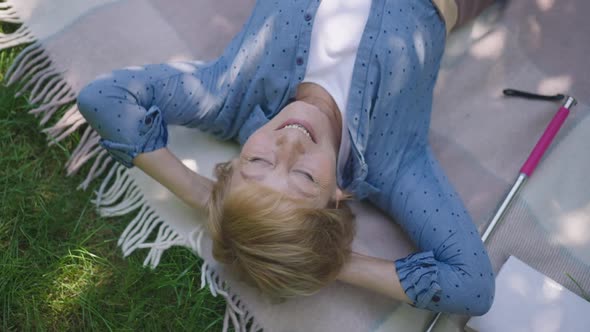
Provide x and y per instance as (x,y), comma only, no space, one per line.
(585,295)
(60,268)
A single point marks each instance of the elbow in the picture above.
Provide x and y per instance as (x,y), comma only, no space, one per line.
(102,105)
(85,100)
(470,299)
(91,103)
(112,107)
(470,287)
(125,127)
(484,293)
(477,296)
(108,100)
(468,279)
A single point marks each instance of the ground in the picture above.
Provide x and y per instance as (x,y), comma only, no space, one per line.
(60,268)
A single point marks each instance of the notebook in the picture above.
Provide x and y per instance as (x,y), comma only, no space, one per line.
(527,300)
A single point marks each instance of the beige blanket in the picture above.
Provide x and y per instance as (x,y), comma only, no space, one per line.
(480,137)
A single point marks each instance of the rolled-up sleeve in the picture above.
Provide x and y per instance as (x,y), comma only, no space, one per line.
(452,271)
(131,107)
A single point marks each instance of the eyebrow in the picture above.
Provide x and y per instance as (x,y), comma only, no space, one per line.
(261,176)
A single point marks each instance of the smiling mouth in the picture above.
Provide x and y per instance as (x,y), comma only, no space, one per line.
(302,126)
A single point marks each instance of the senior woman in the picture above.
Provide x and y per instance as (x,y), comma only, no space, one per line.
(330,101)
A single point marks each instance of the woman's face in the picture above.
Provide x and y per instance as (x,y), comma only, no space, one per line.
(295,154)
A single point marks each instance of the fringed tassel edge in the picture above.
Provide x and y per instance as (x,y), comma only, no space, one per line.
(236,312)
(47,89)
(22,35)
(7,13)
(119,195)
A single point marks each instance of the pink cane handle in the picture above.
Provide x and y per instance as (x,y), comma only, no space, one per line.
(543,144)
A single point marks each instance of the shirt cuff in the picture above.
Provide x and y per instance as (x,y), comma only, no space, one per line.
(152,135)
(418,275)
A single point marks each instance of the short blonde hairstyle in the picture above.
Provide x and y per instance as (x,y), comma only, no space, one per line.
(274,244)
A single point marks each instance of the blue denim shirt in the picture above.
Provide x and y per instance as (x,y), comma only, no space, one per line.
(388,115)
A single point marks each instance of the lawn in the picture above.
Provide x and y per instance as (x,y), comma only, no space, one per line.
(60,268)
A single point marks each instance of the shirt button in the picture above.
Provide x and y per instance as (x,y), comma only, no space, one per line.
(299,61)
(308,17)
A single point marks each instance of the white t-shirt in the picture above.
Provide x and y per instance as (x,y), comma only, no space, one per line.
(336,34)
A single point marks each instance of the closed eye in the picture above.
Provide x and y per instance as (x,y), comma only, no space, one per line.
(307,175)
(258,160)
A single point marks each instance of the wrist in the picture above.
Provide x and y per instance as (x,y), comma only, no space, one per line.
(373,273)
(350,268)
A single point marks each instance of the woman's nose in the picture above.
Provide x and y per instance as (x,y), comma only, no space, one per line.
(290,144)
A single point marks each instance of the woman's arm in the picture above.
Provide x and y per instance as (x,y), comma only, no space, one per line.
(452,271)
(165,168)
(373,273)
(130,108)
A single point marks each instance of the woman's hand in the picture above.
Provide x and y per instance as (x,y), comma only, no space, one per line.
(373,273)
(165,168)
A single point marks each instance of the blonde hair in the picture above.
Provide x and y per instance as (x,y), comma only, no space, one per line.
(273,243)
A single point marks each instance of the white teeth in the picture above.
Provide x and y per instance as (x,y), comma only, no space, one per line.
(300,128)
